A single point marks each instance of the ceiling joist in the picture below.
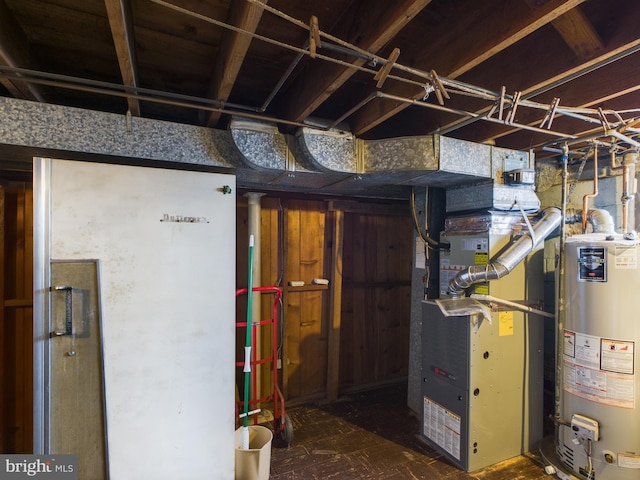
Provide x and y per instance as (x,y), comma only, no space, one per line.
(14,52)
(245,16)
(464,52)
(198,63)
(319,81)
(119,13)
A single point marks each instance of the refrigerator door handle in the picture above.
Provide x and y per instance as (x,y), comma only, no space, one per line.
(68,310)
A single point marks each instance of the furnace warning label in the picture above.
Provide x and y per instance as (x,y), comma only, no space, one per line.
(448,273)
(628,460)
(475,244)
(442,426)
(599,369)
(481,258)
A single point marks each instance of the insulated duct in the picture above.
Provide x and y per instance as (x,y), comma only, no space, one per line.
(313,160)
(338,162)
(549,220)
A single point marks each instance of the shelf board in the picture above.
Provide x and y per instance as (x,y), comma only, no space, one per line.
(307,288)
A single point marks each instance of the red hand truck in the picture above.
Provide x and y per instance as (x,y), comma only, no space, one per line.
(282,427)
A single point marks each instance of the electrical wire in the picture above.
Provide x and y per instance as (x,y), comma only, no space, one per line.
(589,460)
(424,235)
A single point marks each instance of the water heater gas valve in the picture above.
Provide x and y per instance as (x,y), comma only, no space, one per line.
(585,427)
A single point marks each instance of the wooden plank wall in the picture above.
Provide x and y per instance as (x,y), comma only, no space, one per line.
(305,353)
(297,244)
(376,299)
(16,320)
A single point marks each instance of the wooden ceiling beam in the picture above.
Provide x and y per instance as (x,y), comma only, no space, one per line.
(233,49)
(120,21)
(377,24)
(600,89)
(14,52)
(611,71)
(601,78)
(536,141)
(578,33)
(464,52)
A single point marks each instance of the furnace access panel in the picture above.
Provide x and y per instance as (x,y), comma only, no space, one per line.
(481,406)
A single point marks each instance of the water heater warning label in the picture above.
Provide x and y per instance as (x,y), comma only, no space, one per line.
(626,257)
(592,264)
(599,369)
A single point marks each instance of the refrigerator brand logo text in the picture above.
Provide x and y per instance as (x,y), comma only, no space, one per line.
(182,219)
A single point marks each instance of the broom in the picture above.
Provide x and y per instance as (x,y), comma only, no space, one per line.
(247,353)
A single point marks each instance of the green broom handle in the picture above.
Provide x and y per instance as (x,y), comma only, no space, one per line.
(247,348)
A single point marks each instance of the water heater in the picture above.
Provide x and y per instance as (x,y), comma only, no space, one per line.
(599,435)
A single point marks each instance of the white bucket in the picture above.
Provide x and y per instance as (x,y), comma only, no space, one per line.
(254,463)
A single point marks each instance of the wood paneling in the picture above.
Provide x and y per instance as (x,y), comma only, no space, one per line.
(16,322)
(298,242)
(375,299)
(305,328)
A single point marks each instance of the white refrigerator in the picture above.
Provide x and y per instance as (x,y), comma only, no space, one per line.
(134,316)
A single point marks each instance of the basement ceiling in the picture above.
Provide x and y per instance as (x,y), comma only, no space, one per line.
(519,74)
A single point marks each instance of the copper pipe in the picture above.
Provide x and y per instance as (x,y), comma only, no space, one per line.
(625,183)
(628,174)
(625,197)
(585,199)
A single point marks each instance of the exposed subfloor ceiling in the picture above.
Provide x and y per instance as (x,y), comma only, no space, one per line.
(518,74)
